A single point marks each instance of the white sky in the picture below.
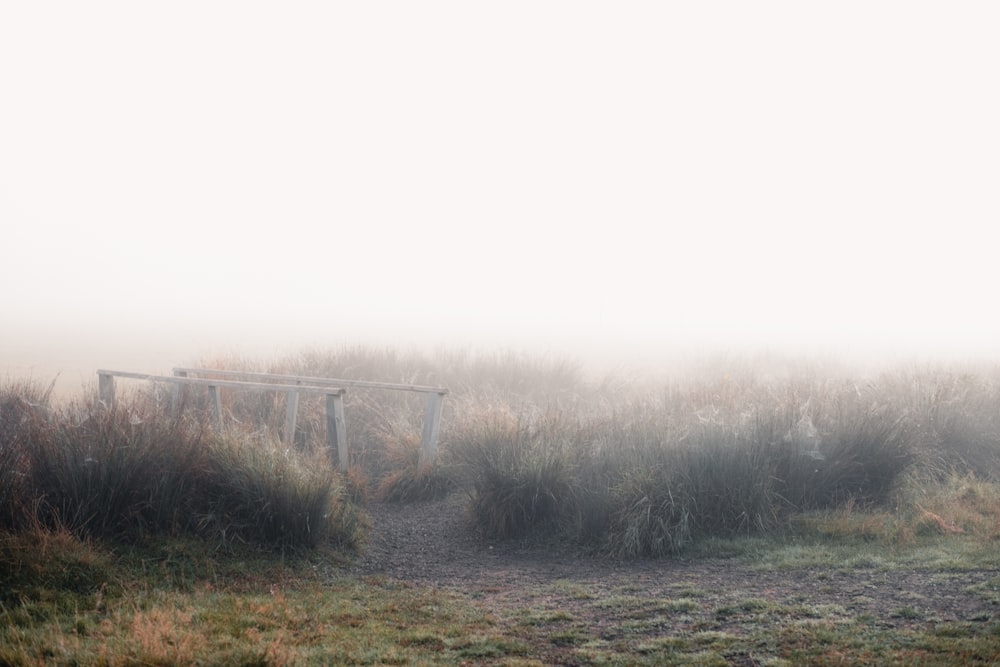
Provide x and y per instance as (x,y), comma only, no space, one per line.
(611,178)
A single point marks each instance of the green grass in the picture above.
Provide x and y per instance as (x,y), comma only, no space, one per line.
(245,608)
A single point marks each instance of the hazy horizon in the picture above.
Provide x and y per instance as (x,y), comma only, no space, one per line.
(606,183)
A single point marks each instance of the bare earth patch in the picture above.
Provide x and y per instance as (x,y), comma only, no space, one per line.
(564,603)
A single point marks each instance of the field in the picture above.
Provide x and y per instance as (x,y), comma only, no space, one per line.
(736,513)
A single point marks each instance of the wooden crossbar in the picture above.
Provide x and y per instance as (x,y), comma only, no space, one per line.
(236,384)
(309,380)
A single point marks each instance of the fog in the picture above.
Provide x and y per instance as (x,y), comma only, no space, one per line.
(621,183)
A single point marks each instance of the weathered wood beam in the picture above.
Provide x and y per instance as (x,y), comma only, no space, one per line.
(309,380)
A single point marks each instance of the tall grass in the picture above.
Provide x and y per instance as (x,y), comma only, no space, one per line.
(113,473)
(649,476)
(627,467)
(521,473)
(958,413)
(632,469)
(134,471)
(23,412)
(261,491)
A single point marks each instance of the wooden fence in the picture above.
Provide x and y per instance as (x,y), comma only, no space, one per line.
(432,413)
(292,385)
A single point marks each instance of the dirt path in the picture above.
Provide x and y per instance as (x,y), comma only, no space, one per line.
(432,544)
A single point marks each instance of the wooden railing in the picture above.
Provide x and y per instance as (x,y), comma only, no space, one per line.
(336,430)
(432,412)
(292,386)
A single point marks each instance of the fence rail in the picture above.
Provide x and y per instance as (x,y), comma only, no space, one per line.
(310,380)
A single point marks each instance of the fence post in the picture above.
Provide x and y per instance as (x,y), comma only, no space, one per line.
(291,411)
(213,394)
(106,389)
(336,429)
(432,428)
(175,395)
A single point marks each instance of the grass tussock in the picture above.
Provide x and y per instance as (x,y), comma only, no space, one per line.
(261,491)
(24,412)
(521,474)
(134,472)
(652,475)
